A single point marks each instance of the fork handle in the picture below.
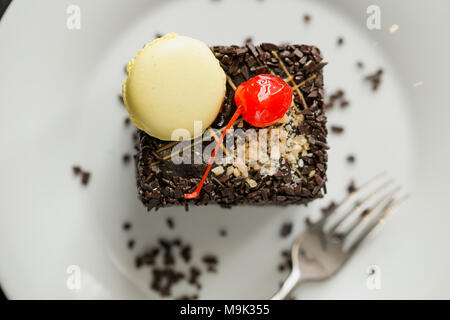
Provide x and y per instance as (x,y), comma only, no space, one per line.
(288,286)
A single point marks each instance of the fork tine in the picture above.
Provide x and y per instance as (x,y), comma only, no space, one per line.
(358,206)
(352,195)
(379,206)
(388,207)
(367,212)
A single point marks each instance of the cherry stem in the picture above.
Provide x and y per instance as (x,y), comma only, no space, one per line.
(196,193)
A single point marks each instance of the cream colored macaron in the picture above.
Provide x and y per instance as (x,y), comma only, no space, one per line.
(173,82)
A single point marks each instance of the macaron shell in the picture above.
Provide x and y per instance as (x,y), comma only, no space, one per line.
(173,82)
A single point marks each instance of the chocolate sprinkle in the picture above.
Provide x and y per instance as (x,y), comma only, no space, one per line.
(286,229)
(337,97)
(351,158)
(337,129)
(126,158)
(329,209)
(163,259)
(306,18)
(211,261)
(286,264)
(85,177)
(170,223)
(126,226)
(375,79)
(76,170)
(351,187)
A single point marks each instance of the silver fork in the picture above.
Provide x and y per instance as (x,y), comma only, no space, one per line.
(323,249)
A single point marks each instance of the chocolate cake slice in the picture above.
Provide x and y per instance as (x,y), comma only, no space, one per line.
(298,175)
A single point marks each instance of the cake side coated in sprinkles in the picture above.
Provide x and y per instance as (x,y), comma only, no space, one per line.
(300,174)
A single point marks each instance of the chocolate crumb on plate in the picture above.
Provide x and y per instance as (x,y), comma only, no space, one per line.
(375,78)
(223,232)
(164,279)
(186,253)
(170,223)
(351,187)
(194,275)
(340,41)
(351,158)
(126,226)
(126,158)
(85,175)
(329,209)
(286,229)
(76,170)
(365,212)
(344,103)
(337,96)
(166,274)
(337,129)
(306,18)
(211,262)
(131,244)
(85,178)
(286,263)
(127,121)
(359,64)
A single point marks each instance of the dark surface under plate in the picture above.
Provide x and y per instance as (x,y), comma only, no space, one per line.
(3,5)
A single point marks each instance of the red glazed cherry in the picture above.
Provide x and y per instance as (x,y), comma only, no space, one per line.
(262,101)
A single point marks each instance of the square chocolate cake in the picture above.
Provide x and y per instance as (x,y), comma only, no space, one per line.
(293,173)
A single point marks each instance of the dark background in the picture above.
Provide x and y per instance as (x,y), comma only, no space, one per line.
(3,5)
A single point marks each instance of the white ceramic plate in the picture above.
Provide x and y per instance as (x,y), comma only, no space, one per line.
(59,107)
